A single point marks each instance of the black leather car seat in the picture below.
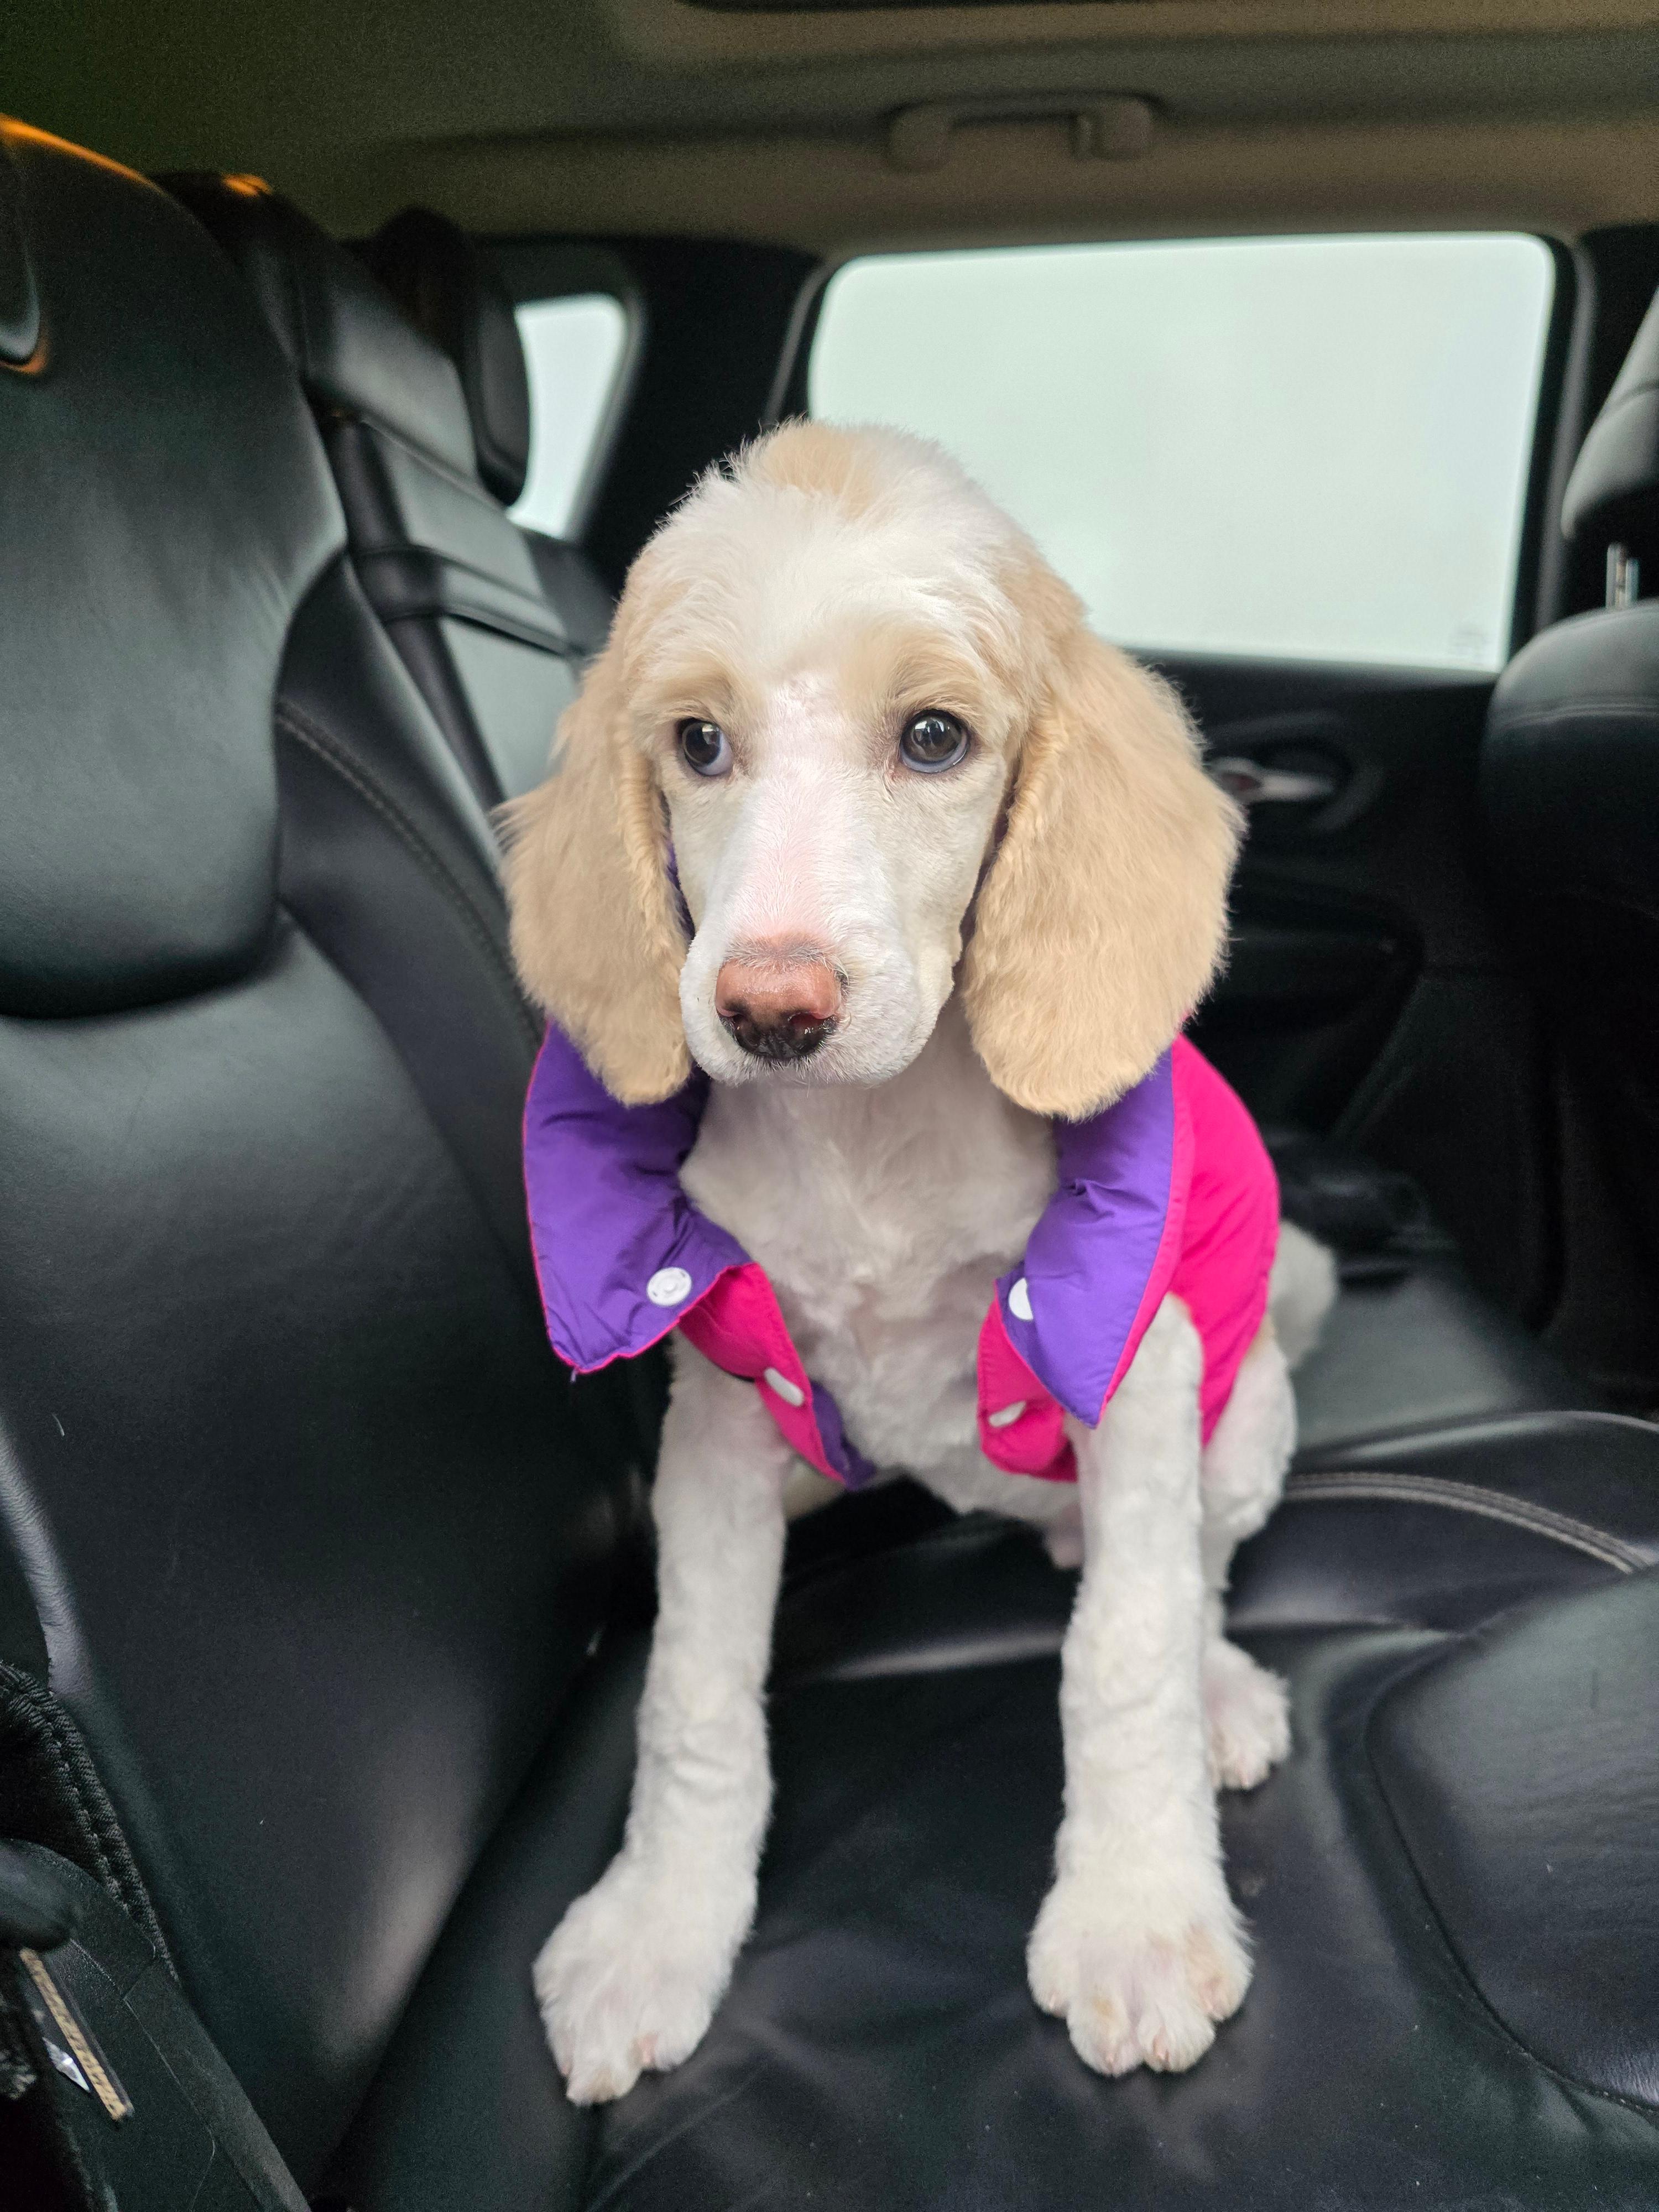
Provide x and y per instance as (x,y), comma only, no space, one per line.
(1571,782)
(449,573)
(1450,1885)
(315,1553)
(316,1541)
(447,288)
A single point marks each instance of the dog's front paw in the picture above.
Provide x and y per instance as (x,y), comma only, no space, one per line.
(1247,1717)
(629,1981)
(1142,1980)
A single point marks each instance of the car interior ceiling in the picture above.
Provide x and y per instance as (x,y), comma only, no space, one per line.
(325,1591)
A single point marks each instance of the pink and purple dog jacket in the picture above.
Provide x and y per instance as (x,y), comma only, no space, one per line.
(1168,1191)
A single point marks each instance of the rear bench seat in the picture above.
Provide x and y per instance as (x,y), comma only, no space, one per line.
(320,1557)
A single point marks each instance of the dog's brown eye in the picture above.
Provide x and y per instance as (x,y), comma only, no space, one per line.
(933,740)
(705,748)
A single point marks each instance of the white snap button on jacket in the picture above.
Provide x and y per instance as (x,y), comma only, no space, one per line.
(669,1286)
(1019,1300)
(1007,1416)
(790,1393)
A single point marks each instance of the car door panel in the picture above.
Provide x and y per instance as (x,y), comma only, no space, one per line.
(1368,994)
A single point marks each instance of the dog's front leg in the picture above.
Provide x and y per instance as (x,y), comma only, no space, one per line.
(1137,1947)
(630,1978)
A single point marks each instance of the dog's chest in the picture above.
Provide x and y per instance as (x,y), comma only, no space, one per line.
(883,1217)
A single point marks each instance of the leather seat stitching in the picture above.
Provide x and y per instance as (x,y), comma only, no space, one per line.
(1467,1497)
(306,732)
(95,1817)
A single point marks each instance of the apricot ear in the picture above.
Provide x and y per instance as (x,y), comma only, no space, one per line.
(596,932)
(1103,916)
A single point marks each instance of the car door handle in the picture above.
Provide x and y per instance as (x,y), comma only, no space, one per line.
(1252,784)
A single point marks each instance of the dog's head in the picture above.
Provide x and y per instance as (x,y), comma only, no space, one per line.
(846,702)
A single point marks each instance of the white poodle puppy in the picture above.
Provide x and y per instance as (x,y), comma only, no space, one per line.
(870,894)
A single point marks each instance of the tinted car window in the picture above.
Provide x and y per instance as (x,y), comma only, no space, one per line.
(574,352)
(1306,447)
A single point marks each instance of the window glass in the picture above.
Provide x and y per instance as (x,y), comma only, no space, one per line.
(573,350)
(1307,448)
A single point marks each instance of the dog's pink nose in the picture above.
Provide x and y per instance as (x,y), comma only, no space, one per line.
(778,1006)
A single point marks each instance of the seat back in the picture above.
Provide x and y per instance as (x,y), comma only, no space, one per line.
(316,1542)
(447,288)
(1569,775)
(447,570)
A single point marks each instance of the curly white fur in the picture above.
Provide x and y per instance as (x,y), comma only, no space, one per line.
(813,600)
(884,1217)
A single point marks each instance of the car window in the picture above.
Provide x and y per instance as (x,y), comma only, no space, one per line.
(573,351)
(1300,448)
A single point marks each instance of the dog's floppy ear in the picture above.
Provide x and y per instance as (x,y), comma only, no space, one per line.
(1104,914)
(596,925)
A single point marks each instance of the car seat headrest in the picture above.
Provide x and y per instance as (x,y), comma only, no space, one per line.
(168,505)
(1613,490)
(448,289)
(353,349)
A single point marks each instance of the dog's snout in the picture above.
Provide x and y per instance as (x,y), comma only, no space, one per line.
(778,1006)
